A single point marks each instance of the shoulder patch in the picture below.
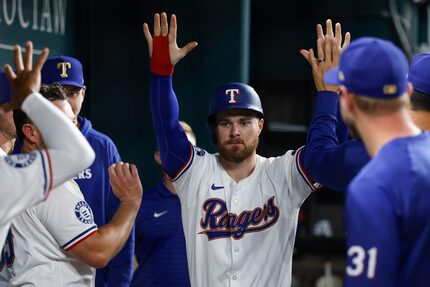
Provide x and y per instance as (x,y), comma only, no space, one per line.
(21,160)
(199,151)
(84,213)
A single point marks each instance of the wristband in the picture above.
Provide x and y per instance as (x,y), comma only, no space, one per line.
(160,60)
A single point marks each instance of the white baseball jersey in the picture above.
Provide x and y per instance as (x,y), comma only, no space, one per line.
(41,235)
(241,233)
(34,165)
(26,178)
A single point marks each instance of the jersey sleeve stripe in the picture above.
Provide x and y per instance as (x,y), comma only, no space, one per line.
(81,237)
(313,185)
(185,167)
(47,174)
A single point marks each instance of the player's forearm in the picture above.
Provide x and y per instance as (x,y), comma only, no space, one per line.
(69,151)
(172,141)
(101,247)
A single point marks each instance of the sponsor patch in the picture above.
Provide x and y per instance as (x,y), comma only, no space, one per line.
(84,213)
(21,160)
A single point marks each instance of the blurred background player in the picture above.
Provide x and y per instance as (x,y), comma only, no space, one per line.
(59,238)
(239,210)
(160,239)
(351,157)
(28,179)
(93,181)
(388,231)
(7,127)
(324,145)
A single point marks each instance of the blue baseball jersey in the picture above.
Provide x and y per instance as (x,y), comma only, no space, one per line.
(94,184)
(387,213)
(387,205)
(160,241)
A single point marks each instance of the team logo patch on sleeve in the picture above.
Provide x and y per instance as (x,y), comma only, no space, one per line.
(21,160)
(84,213)
(199,151)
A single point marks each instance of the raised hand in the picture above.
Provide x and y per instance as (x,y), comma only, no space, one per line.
(163,49)
(126,184)
(329,48)
(27,78)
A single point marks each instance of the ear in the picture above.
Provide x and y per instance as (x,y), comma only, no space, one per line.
(83,93)
(347,99)
(409,89)
(260,126)
(157,157)
(31,133)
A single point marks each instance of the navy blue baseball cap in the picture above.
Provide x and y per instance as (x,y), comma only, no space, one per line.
(64,70)
(419,73)
(234,96)
(4,88)
(371,67)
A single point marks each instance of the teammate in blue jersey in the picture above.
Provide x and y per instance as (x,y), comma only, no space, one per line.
(93,181)
(160,239)
(326,141)
(388,241)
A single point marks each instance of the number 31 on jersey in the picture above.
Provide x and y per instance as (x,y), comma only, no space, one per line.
(359,257)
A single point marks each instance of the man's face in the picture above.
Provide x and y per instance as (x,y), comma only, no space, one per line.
(7,126)
(237,134)
(75,97)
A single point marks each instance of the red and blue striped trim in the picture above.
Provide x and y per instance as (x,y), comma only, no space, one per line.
(185,166)
(81,237)
(313,185)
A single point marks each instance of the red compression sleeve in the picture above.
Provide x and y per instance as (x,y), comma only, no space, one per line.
(160,60)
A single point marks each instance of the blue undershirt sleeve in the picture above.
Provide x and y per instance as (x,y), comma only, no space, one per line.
(172,141)
(325,158)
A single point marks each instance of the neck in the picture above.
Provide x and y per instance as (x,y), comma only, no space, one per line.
(168,184)
(7,146)
(28,147)
(239,170)
(376,131)
(421,119)
(6,142)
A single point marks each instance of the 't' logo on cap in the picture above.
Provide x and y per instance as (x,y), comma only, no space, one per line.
(232,93)
(64,66)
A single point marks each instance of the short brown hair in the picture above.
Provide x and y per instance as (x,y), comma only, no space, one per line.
(375,106)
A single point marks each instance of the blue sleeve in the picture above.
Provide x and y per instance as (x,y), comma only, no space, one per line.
(373,242)
(342,130)
(119,270)
(175,150)
(327,160)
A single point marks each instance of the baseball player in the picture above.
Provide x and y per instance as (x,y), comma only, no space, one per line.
(7,127)
(93,181)
(160,239)
(351,157)
(239,210)
(27,179)
(59,238)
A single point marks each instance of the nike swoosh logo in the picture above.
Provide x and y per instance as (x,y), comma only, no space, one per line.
(213,187)
(158,214)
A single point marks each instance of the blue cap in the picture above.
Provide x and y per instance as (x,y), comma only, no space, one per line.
(419,73)
(234,96)
(371,67)
(64,70)
(4,88)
